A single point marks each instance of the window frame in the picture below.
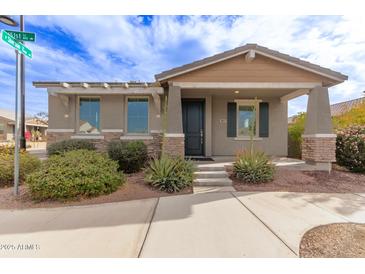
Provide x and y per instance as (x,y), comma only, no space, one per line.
(252,103)
(78,115)
(126,115)
(3,128)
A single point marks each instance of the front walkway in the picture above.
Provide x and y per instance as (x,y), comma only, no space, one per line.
(217,224)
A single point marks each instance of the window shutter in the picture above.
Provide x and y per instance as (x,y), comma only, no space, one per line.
(231,119)
(264,119)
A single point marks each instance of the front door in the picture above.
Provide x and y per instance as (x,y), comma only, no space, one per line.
(193,126)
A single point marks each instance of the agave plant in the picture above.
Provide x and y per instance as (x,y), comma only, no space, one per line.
(253,167)
(170,174)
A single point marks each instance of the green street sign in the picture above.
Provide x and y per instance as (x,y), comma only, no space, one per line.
(22,36)
(15,44)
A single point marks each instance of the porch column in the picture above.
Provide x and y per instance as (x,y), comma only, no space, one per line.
(318,140)
(174,137)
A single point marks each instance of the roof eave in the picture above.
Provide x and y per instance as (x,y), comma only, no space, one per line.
(333,75)
(85,84)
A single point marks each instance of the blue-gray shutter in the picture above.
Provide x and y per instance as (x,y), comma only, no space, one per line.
(264,119)
(231,119)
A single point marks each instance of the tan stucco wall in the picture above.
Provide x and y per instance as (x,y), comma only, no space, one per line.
(174,111)
(216,141)
(112,112)
(60,116)
(8,134)
(318,119)
(261,69)
(4,122)
(275,144)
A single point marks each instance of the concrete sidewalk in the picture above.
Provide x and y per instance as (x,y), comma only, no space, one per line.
(107,230)
(207,224)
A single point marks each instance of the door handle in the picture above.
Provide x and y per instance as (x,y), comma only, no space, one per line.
(201,136)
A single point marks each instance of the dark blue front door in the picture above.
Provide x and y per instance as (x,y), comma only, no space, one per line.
(193,126)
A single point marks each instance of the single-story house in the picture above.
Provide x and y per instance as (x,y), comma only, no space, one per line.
(7,125)
(343,107)
(212,104)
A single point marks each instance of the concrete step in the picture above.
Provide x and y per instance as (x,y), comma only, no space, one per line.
(210,189)
(213,182)
(211,174)
(210,168)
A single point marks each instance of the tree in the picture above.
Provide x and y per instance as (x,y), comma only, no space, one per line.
(41,116)
(355,116)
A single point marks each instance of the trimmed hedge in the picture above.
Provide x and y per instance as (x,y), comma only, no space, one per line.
(253,167)
(170,174)
(131,156)
(69,145)
(350,148)
(28,164)
(73,174)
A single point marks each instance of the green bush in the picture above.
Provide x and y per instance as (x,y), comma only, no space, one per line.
(295,131)
(131,156)
(350,148)
(170,174)
(68,145)
(253,167)
(78,173)
(28,164)
(7,149)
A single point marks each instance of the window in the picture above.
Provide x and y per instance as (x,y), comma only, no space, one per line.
(247,120)
(1,128)
(137,116)
(89,119)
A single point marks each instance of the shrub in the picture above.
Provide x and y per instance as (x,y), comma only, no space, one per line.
(68,145)
(7,149)
(170,174)
(253,167)
(131,156)
(295,131)
(28,164)
(75,174)
(350,148)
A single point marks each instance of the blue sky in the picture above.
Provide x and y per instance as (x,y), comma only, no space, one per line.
(122,48)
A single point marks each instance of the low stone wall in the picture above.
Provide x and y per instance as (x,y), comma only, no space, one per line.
(153,145)
(54,137)
(175,146)
(319,149)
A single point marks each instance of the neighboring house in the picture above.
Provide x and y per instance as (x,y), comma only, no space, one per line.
(211,104)
(7,125)
(343,107)
(338,108)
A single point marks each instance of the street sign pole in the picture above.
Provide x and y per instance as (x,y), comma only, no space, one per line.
(17,123)
(14,39)
(22,91)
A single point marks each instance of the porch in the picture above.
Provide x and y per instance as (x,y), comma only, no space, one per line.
(212,120)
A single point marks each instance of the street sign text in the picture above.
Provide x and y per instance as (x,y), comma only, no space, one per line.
(22,36)
(15,44)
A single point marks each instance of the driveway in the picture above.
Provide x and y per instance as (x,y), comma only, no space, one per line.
(214,224)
